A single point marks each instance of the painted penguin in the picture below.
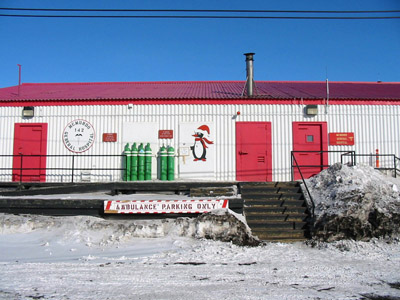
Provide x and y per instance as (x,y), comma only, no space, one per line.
(199,149)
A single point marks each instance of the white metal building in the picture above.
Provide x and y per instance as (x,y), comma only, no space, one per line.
(54,128)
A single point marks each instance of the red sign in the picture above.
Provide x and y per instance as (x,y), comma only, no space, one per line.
(341,138)
(165,134)
(109,137)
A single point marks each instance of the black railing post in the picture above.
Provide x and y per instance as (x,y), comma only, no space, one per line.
(20,171)
(305,185)
(291,158)
(73,166)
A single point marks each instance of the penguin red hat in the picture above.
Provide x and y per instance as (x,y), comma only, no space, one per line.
(204,128)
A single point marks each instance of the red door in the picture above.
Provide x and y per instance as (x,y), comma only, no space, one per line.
(253,151)
(30,148)
(310,137)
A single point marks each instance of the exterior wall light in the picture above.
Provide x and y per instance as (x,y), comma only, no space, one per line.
(311,110)
(28,112)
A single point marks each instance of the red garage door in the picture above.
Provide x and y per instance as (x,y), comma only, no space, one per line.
(311,138)
(30,148)
(253,151)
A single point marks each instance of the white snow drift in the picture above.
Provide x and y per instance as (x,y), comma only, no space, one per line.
(355,202)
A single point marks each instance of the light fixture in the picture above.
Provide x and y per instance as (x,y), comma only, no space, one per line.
(311,110)
(28,112)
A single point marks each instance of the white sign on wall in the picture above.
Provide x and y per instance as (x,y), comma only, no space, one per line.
(197,140)
(164,206)
(78,136)
(142,132)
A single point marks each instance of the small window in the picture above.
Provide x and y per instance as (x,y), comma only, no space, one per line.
(310,138)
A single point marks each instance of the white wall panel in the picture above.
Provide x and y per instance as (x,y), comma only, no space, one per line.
(374,127)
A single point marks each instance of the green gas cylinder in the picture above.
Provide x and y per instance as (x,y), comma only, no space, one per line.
(141,162)
(163,163)
(127,166)
(134,162)
(147,162)
(171,163)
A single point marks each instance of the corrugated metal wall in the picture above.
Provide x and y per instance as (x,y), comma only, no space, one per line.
(374,127)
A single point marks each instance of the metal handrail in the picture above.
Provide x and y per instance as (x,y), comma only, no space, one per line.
(73,167)
(322,166)
(353,156)
(296,165)
(305,185)
(396,160)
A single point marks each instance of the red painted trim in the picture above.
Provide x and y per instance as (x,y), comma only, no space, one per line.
(200,81)
(21,103)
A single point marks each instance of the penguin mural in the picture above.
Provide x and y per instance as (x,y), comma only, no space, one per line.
(199,148)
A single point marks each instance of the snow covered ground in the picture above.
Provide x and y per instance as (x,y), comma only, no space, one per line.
(91,258)
(83,257)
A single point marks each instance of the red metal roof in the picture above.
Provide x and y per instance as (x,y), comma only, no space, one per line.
(199,90)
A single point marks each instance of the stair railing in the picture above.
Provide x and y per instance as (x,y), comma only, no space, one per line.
(21,172)
(396,162)
(390,159)
(304,183)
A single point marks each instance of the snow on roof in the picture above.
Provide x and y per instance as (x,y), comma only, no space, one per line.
(202,90)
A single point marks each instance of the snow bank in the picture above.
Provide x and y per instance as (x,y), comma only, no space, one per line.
(221,225)
(354,203)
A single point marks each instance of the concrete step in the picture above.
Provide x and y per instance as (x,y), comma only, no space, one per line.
(272,210)
(275,211)
(268,184)
(277,196)
(212,191)
(255,189)
(274,225)
(254,217)
(278,235)
(273,202)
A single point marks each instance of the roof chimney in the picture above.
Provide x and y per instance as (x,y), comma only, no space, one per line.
(250,74)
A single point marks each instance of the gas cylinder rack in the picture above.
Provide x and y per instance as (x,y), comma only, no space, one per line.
(167,163)
(137,162)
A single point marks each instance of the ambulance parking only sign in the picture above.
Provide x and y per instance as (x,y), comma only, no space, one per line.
(163,206)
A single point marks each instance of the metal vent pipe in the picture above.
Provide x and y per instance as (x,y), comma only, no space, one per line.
(250,74)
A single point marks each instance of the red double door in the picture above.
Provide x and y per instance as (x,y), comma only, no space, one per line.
(310,140)
(253,151)
(30,148)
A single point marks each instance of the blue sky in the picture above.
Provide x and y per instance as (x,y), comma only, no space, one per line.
(101,50)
